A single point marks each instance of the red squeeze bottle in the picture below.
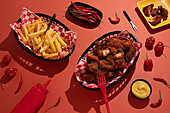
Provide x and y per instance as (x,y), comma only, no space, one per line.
(33,99)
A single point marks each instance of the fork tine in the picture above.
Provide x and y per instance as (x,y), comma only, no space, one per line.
(136,30)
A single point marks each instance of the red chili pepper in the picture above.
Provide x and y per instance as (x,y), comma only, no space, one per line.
(20,84)
(58,101)
(157,104)
(97,16)
(149,43)
(114,21)
(91,17)
(159,49)
(86,19)
(82,7)
(7,58)
(148,65)
(74,6)
(80,12)
(89,11)
(161,80)
(10,72)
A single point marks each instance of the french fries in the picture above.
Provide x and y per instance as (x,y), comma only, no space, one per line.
(47,46)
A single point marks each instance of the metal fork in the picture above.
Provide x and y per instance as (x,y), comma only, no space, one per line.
(101,80)
(133,26)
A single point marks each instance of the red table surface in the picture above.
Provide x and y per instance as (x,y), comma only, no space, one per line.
(74,97)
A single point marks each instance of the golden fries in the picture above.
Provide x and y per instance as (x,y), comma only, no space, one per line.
(46,46)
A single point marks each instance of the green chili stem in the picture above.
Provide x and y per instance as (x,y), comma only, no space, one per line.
(147,56)
(12,52)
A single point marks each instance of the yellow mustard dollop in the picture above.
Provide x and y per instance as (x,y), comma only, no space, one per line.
(141,89)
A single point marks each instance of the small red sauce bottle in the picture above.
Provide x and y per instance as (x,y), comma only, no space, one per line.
(33,99)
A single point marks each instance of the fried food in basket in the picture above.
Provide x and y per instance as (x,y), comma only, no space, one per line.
(49,46)
(109,57)
(157,14)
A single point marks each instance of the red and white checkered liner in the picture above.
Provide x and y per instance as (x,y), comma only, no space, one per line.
(29,17)
(81,66)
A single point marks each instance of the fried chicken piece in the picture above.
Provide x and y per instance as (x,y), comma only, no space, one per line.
(120,63)
(92,57)
(92,67)
(111,59)
(109,76)
(119,55)
(154,12)
(130,54)
(105,65)
(164,13)
(155,20)
(118,73)
(89,77)
(147,10)
(100,45)
(114,42)
(103,53)
(113,50)
(126,43)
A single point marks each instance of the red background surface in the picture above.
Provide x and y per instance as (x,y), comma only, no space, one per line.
(74,97)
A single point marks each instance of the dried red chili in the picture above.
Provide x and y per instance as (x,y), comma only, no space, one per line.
(114,21)
(148,64)
(58,101)
(10,72)
(149,43)
(20,84)
(157,104)
(161,80)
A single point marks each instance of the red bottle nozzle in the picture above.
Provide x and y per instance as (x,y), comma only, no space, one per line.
(46,84)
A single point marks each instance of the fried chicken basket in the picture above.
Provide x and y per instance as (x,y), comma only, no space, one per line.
(81,65)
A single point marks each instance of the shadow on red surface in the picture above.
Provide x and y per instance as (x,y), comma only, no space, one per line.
(150,30)
(137,103)
(30,62)
(83,99)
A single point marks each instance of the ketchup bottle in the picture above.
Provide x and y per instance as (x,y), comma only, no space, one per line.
(33,99)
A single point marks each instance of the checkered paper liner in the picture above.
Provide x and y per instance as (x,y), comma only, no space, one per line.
(81,66)
(28,16)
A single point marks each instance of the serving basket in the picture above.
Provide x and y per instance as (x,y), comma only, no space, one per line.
(81,64)
(85,5)
(55,22)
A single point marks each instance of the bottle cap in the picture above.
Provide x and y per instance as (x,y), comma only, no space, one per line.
(43,87)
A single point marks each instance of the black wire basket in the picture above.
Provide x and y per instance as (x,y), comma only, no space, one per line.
(102,39)
(55,21)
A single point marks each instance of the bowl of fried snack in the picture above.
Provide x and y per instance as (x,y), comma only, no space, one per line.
(155,12)
(57,44)
(113,54)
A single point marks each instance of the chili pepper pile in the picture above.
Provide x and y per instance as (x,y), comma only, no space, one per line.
(84,13)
